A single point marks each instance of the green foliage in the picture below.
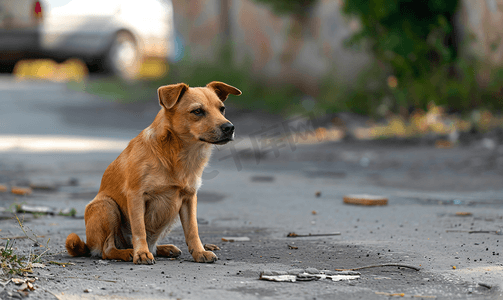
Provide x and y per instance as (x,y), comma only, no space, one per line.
(412,42)
(285,7)
(371,94)
(71,213)
(408,35)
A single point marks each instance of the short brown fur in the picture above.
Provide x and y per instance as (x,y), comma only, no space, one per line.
(156,178)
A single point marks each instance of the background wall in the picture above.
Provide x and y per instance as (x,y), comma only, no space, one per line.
(295,50)
(303,51)
(482,24)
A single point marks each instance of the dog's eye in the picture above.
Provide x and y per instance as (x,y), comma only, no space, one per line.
(222,109)
(198,112)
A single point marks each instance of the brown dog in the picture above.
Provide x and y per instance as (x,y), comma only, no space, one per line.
(155,179)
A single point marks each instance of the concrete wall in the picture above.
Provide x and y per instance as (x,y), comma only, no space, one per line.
(304,51)
(482,23)
(299,51)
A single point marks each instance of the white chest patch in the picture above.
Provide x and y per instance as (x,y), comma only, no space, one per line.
(197,183)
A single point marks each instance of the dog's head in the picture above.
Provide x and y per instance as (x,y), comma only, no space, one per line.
(198,113)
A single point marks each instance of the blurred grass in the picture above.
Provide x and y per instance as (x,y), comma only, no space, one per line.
(114,89)
(460,88)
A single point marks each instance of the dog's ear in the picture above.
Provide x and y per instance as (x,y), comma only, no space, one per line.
(170,94)
(223,89)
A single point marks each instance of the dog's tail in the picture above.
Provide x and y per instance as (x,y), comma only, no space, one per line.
(75,246)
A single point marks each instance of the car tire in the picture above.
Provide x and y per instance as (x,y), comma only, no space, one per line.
(7,67)
(123,58)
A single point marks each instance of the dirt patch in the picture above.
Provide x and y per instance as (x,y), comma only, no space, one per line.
(262,178)
(324,174)
(438,182)
(210,197)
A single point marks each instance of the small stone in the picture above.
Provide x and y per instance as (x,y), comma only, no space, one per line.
(43,185)
(312,271)
(279,273)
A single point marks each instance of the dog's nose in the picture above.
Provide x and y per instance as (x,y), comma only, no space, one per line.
(227,128)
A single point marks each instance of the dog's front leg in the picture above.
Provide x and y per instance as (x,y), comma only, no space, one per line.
(188,217)
(136,210)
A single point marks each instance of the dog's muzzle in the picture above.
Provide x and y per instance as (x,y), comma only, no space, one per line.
(226,136)
(227,129)
(227,133)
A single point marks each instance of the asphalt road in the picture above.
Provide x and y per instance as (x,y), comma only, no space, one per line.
(261,191)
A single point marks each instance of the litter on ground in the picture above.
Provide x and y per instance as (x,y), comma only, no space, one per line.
(308,274)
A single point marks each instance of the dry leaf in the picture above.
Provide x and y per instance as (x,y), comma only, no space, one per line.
(18,281)
(20,191)
(23,287)
(463,213)
(236,239)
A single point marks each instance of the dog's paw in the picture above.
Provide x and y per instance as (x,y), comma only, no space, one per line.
(168,251)
(211,247)
(204,257)
(143,258)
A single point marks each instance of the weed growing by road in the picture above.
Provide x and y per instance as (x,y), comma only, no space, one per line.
(14,263)
(11,262)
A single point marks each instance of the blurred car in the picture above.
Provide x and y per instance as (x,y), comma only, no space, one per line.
(112,36)
(20,22)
